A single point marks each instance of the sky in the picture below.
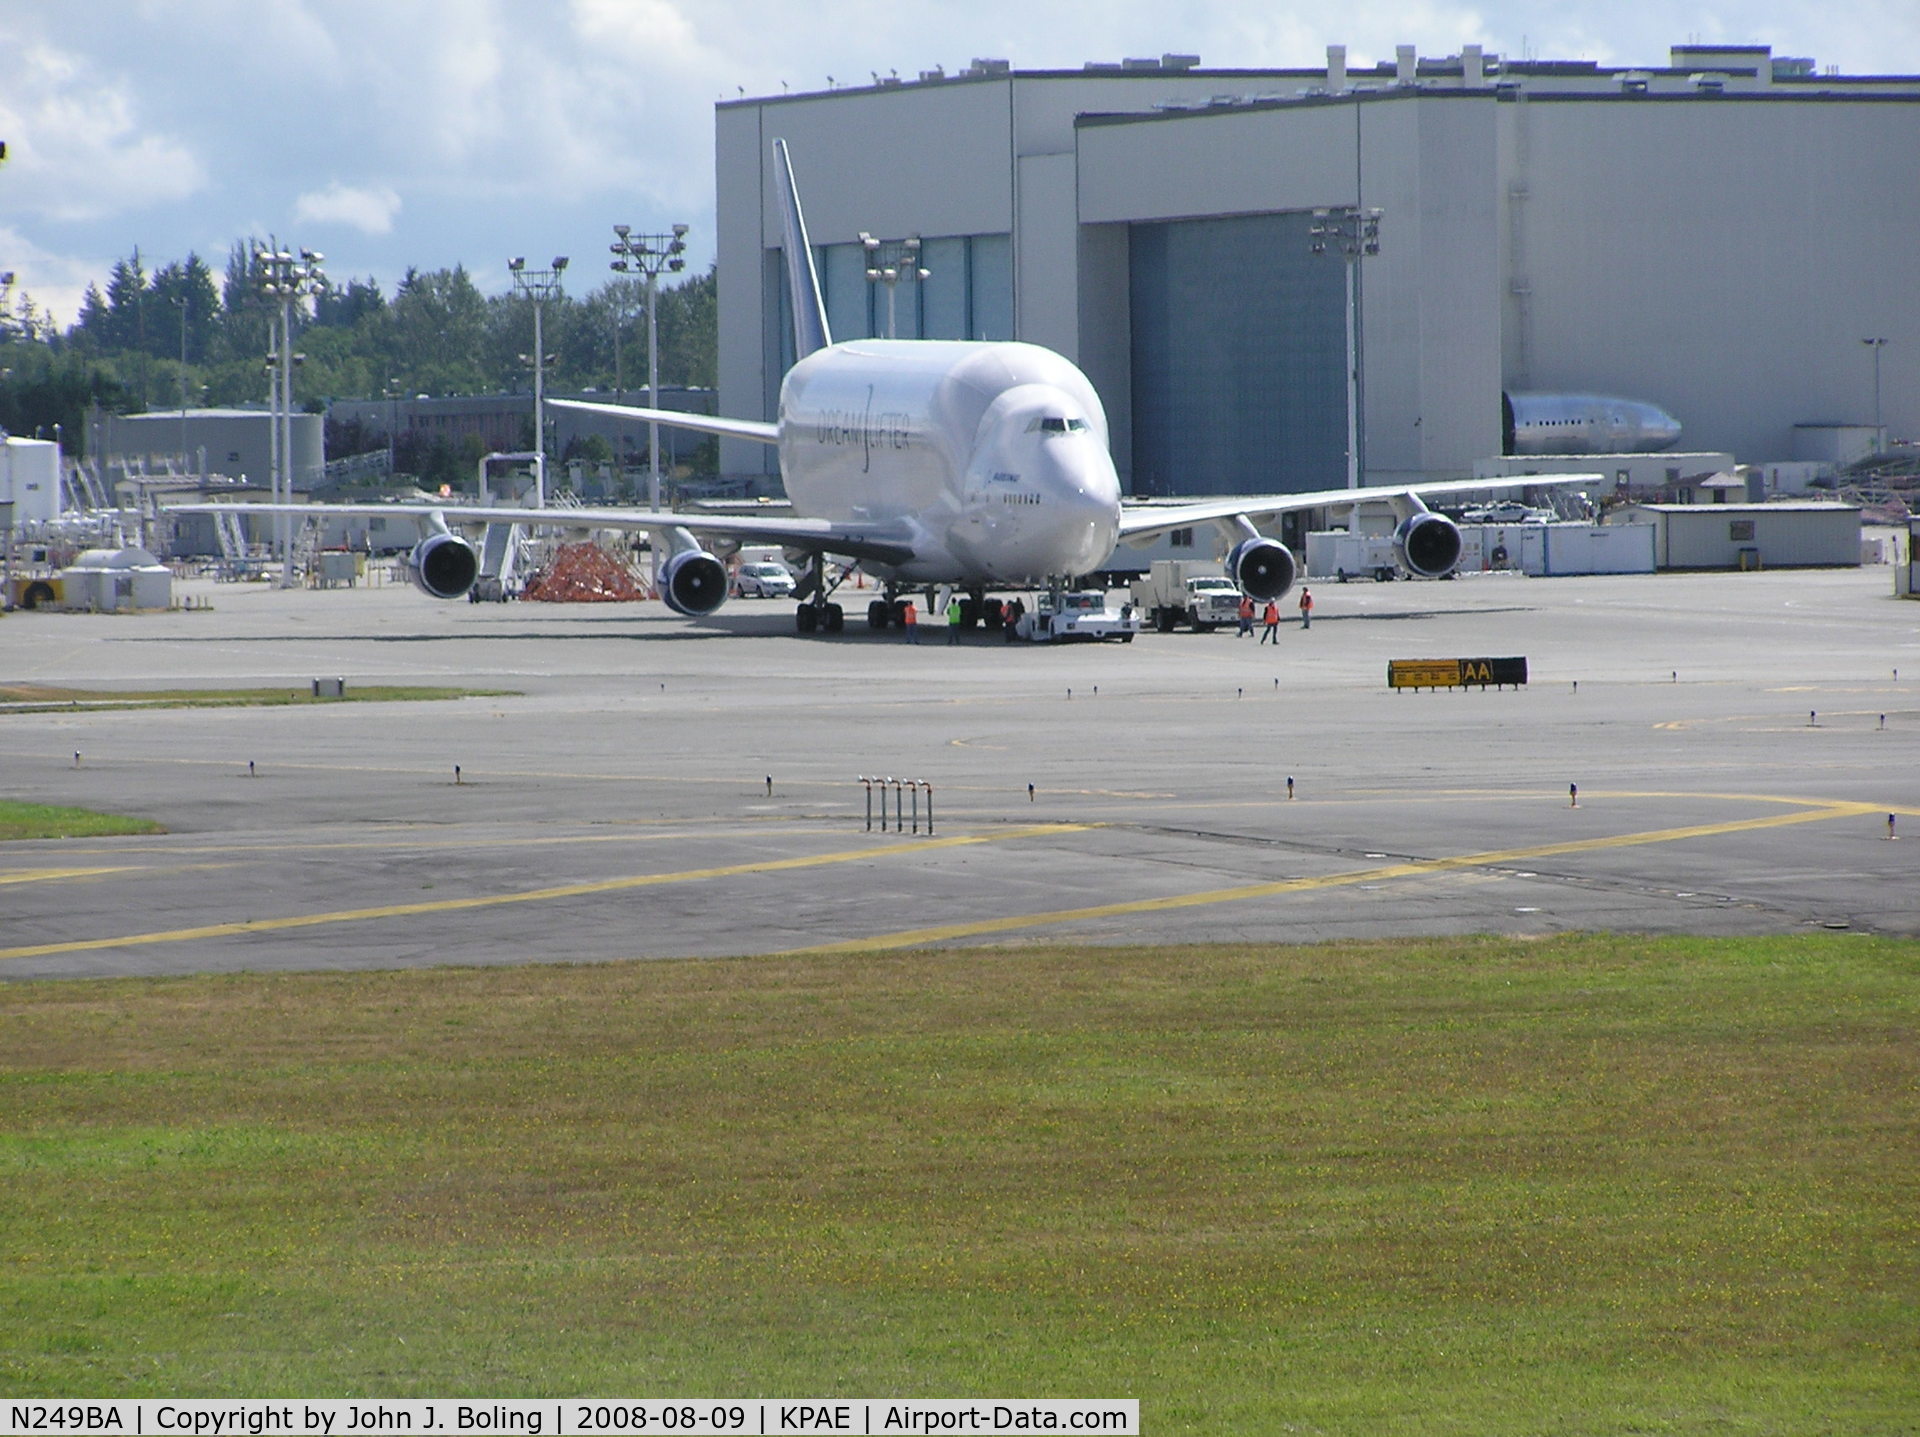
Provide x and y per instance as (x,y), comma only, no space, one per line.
(429,133)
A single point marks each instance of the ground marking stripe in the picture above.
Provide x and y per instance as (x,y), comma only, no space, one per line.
(539,895)
(47,875)
(1414,869)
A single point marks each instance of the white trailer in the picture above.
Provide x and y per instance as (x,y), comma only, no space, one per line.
(1343,555)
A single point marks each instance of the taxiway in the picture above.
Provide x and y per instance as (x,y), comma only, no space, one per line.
(1738,744)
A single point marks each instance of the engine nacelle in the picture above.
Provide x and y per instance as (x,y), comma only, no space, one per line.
(1263,568)
(1427,544)
(693,582)
(444,566)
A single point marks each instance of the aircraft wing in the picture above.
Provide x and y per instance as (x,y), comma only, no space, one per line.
(1146,521)
(754,429)
(887,544)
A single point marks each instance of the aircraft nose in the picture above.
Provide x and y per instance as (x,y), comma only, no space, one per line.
(1085,494)
(1083,482)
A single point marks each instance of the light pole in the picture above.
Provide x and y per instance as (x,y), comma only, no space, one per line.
(286,276)
(392,392)
(185,301)
(538,285)
(651,255)
(1876,345)
(1355,233)
(889,262)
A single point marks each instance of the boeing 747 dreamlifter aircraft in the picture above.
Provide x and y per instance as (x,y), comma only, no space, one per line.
(965,464)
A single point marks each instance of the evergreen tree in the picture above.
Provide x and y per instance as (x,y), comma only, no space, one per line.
(127,305)
(91,329)
(349,307)
(184,307)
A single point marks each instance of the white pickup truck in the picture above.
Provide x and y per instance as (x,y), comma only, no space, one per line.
(1182,591)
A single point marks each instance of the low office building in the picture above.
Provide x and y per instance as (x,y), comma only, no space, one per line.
(1749,536)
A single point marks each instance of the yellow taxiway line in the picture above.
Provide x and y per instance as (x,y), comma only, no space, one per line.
(1806,811)
(48,875)
(1418,868)
(537,895)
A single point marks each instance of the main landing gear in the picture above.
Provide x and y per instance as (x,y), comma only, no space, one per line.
(817,614)
(975,609)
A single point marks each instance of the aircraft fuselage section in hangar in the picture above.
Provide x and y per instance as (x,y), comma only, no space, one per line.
(1534,423)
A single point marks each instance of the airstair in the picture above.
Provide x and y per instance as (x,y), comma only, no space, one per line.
(502,556)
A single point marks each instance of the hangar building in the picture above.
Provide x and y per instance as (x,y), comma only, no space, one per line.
(1717,235)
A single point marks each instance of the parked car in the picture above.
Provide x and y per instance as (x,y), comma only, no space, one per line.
(762,581)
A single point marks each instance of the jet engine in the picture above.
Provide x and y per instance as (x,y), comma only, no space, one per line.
(1262,567)
(444,566)
(693,582)
(1427,544)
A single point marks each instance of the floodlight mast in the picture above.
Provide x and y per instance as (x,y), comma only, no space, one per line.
(538,285)
(889,262)
(652,256)
(1355,233)
(285,276)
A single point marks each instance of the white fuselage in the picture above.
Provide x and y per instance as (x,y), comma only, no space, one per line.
(1588,424)
(990,458)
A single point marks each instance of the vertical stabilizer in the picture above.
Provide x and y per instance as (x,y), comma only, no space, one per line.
(810,330)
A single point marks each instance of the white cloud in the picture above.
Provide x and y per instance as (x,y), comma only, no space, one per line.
(367,209)
(79,148)
(56,283)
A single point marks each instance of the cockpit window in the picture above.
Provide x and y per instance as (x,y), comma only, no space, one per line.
(1055,424)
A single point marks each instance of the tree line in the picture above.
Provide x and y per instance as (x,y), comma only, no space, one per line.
(172,336)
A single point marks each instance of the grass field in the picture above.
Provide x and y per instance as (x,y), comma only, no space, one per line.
(1588,1185)
(44,698)
(44,820)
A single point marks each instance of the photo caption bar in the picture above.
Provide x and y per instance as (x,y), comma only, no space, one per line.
(589,1417)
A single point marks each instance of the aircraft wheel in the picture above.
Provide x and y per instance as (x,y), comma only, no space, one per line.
(879,615)
(834,619)
(805,619)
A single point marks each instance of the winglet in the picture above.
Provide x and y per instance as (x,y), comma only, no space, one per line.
(810,330)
